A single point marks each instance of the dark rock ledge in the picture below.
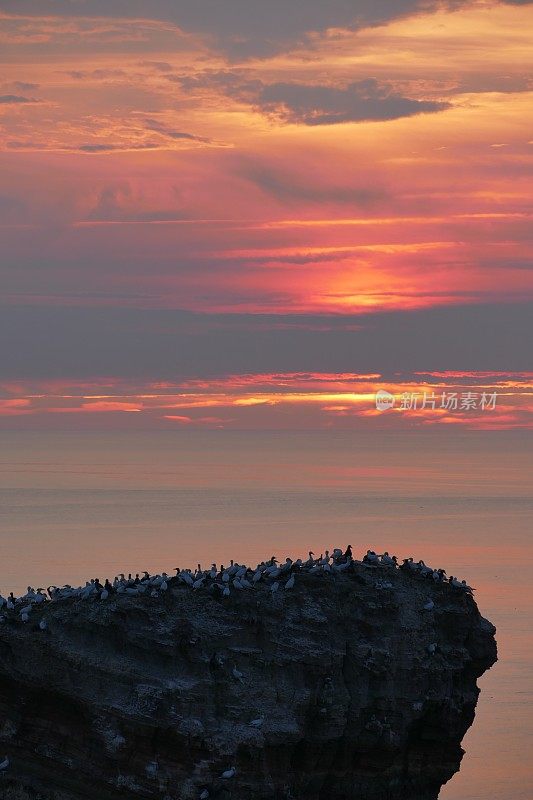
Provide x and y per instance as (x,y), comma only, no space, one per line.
(136,697)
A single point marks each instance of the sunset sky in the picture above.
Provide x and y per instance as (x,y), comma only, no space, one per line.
(254,214)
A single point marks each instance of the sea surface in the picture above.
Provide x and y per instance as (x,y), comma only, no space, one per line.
(81,505)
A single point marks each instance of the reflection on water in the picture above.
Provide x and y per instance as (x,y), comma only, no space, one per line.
(76,506)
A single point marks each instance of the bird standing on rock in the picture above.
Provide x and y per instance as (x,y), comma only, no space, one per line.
(229,773)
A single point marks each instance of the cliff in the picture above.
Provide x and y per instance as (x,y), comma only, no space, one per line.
(153,697)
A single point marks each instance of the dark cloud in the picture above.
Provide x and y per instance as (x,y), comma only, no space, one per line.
(360,101)
(22,86)
(308,104)
(44,342)
(241,28)
(288,186)
(159,66)
(96,74)
(116,204)
(159,127)
(110,148)
(16,99)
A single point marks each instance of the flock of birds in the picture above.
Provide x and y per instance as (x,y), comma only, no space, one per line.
(224,581)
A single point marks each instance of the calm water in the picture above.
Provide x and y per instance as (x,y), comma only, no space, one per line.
(83,505)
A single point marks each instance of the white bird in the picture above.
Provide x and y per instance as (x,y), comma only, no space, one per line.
(274,572)
(430,605)
(226,592)
(225,577)
(104,594)
(432,648)
(290,582)
(42,625)
(204,795)
(237,674)
(237,584)
(229,773)
(198,583)
(5,763)
(164,586)
(256,723)
(274,587)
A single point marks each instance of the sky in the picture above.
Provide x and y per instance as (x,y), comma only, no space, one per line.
(255,215)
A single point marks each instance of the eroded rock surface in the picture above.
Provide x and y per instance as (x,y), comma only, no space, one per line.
(137,697)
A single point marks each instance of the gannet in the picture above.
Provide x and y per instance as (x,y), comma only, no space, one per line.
(237,674)
(229,773)
(430,605)
(42,625)
(290,582)
(5,763)
(256,723)
(204,795)
(274,587)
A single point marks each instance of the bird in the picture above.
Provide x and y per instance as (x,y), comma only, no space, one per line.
(5,763)
(229,773)
(290,582)
(274,587)
(43,625)
(204,795)
(257,723)
(432,648)
(226,592)
(237,674)
(429,606)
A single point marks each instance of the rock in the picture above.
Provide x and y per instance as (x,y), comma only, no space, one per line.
(344,696)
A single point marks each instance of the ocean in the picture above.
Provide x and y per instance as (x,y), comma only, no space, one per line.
(81,505)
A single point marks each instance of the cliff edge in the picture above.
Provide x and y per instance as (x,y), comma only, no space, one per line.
(353,684)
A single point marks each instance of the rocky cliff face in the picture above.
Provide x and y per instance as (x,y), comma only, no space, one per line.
(142,698)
